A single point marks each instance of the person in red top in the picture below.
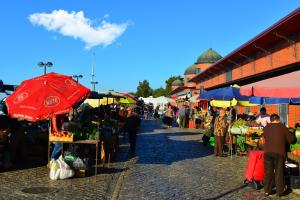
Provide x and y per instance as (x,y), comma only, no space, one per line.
(276,137)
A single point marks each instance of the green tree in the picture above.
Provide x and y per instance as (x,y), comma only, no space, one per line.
(144,89)
(169,82)
(159,92)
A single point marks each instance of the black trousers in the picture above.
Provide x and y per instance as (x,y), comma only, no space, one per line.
(132,140)
(274,170)
(219,143)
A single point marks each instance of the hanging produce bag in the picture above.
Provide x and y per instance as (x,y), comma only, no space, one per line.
(212,141)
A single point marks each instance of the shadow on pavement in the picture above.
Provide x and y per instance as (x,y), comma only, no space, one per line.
(226,193)
(166,146)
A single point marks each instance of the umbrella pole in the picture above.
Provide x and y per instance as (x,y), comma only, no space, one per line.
(230,140)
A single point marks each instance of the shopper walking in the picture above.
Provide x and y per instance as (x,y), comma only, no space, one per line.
(132,123)
(168,118)
(276,136)
(181,116)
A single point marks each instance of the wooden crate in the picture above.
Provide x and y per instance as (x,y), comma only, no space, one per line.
(55,138)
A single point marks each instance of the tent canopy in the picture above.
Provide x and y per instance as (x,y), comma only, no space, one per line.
(226,93)
(284,86)
(163,100)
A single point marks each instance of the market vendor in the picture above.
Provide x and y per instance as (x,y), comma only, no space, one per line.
(263,118)
(251,120)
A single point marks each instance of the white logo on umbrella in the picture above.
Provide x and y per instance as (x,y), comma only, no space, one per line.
(52,101)
(21,97)
(70,82)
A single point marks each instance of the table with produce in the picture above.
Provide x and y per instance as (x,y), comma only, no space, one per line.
(102,134)
(295,148)
(246,137)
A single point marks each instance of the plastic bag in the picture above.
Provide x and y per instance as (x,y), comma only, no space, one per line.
(178,120)
(65,170)
(59,169)
(79,164)
(54,170)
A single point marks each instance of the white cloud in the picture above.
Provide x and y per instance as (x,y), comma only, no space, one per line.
(76,25)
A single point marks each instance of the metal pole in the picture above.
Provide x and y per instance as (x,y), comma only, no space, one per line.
(45,69)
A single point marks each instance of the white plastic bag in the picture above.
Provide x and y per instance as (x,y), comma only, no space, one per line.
(178,120)
(65,170)
(54,170)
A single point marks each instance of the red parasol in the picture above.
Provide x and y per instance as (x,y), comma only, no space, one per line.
(41,97)
(284,86)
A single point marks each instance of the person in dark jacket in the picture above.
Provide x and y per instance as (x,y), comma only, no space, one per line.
(132,124)
(276,136)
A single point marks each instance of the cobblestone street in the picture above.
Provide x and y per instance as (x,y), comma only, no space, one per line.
(173,164)
(170,164)
(13,183)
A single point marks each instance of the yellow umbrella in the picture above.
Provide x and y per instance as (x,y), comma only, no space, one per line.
(246,103)
(98,102)
(223,104)
(234,102)
(126,100)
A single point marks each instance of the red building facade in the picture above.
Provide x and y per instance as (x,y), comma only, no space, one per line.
(273,52)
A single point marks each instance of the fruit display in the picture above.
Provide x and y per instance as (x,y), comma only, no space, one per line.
(295,148)
(296,152)
(207,123)
(63,136)
(255,130)
(297,133)
(239,127)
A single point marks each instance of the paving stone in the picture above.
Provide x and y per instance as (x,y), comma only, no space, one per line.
(173,164)
(100,187)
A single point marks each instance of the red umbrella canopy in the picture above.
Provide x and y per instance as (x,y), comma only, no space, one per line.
(41,97)
(284,86)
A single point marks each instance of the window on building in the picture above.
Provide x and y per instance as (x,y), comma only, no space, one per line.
(198,71)
(229,75)
(283,113)
(187,80)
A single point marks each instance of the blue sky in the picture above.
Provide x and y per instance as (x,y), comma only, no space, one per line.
(158,39)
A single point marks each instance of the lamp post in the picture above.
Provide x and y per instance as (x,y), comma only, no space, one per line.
(94,84)
(77,77)
(45,65)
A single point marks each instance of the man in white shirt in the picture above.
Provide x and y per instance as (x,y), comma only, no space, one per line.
(263,118)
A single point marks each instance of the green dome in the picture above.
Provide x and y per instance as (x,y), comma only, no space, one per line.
(209,56)
(177,82)
(191,70)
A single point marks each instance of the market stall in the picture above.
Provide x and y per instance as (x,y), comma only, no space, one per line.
(246,136)
(284,89)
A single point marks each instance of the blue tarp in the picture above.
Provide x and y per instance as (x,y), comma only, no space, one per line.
(227,93)
(267,100)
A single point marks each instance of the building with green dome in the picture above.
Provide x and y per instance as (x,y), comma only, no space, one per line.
(208,56)
(177,82)
(205,60)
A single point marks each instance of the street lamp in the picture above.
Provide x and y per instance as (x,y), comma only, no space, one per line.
(94,84)
(45,65)
(77,77)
